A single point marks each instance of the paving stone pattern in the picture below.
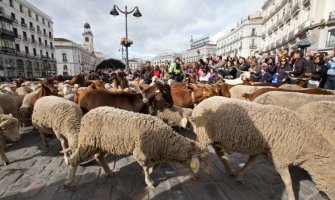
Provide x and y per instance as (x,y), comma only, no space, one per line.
(38,172)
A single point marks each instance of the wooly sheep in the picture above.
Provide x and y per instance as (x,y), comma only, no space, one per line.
(253,129)
(23,90)
(238,91)
(8,104)
(26,109)
(120,132)
(9,128)
(290,100)
(290,87)
(56,115)
(321,115)
(174,116)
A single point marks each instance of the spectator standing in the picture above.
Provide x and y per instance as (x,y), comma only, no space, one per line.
(317,70)
(330,64)
(157,72)
(299,65)
(255,70)
(147,73)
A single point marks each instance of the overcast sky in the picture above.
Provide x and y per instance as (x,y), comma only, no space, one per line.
(165,26)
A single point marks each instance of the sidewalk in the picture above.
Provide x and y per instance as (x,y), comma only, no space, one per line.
(38,172)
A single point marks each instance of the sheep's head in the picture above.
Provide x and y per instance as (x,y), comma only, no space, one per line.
(199,159)
(9,127)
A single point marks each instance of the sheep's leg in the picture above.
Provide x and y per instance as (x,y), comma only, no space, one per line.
(240,174)
(70,179)
(64,145)
(100,158)
(150,183)
(2,142)
(3,156)
(44,138)
(285,175)
(224,159)
(154,165)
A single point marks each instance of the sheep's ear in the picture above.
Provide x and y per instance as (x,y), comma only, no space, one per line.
(195,164)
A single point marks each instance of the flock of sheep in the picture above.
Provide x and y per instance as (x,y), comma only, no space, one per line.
(290,128)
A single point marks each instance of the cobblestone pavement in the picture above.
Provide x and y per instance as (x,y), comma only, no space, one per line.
(38,172)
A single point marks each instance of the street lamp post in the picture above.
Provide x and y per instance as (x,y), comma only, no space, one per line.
(115,12)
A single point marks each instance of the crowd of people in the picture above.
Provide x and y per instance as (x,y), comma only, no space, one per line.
(276,68)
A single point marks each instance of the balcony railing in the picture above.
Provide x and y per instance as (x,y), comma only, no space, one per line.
(294,8)
(252,46)
(18,37)
(7,32)
(278,42)
(331,15)
(7,49)
(306,2)
(284,39)
(24,25)
(291,34)
(45,34)
(39,31)
(26,39)
(32,29)
(15,21)
(287,16)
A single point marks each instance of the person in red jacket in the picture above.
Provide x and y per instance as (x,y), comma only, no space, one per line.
(157,71)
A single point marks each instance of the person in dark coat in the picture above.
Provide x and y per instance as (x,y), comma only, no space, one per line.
(283,67)
(147,73)
(230,70)
(299,65)
(318,70)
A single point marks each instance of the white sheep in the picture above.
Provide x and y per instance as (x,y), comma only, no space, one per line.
(290,100)
(290,87)
(26,109)
(120,132)
(238,91)
(23,90)
(321,115)
(253,129)
(174,116)
(56,115)
(8,104)
(9,128)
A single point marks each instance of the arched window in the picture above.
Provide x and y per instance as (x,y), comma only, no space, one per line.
(28,64)
(20,65)
(331,38)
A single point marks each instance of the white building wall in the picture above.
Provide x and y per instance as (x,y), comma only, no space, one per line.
(244,38)
(26,19)
(287,22)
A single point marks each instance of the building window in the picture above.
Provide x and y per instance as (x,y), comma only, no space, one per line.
(15,32)
(32,38)
(52,55)
(29,13)
(331,38)
(13,16)
(11,3)
(24,36)
(46,42)
(47,54)
(23,21)
(65,67)
(51,46)
(41,53)
(87,39)
(17,48)
(39,40)
(253,32)
(37,17)
(20,66)
(27,50)
(21,8)
(31,25)
(1,63)
(43,21)
(34,50)
(64,57)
